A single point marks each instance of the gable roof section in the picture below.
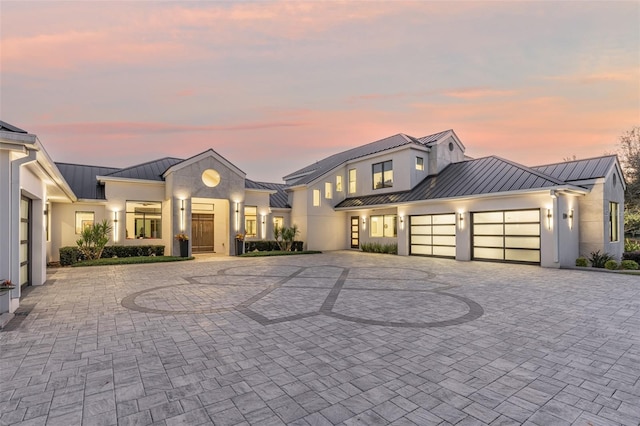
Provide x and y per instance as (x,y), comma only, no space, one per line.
(82,179)
(208,153)
(311,172)
(277,200)
(6,127)
(577,170)
(151,170)
(488,175)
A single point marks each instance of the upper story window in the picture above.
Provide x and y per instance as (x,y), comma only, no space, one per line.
(383,175)
(614,229)
(352,181)
(339,183)
(316,197)
(144,219)
(251,221)
(419,163)
(328,191)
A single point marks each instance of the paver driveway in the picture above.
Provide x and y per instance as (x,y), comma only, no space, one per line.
(342,337)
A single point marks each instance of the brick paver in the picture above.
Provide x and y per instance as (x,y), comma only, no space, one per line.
(337,338)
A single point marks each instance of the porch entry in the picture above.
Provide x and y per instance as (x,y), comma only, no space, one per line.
(355,232)
(202,232)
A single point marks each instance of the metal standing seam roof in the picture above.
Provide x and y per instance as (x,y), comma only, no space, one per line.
(571,171)
(486,175)
(313,171)
(279,200)
(151,170)
(82,179)
(4,126)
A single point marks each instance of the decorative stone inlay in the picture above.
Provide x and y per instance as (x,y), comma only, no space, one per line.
(276,294)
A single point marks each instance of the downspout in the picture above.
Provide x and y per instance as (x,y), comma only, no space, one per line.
(14,221)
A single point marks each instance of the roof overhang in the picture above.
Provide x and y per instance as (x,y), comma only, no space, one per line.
(565,189)
(103,179)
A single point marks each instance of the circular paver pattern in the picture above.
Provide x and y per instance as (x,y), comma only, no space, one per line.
(393,297)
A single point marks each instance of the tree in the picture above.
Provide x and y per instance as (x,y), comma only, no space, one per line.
(630,159)
(285,236)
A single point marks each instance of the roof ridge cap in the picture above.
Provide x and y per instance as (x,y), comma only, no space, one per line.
(578,160)
(530,170)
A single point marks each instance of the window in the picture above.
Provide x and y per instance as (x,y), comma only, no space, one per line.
(316,197)
(338,183)
(614,229)
(83,220)
(383,175)
(250,221)
(328,191)
(384,226)
(278,222)
(352,181)
(144,219)
(419,163)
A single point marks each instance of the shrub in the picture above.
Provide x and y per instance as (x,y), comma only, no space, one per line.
(379,248)
(72,255)
(582,261)
(266,245)
(598,259)
(629,264)
(632,255)
(631,245)
(611,265)
(93,239)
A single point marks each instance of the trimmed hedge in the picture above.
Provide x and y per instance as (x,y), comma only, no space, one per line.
(268,245)
(631,255)
(629,264)
(71,255)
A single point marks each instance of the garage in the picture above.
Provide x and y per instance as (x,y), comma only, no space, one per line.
(506,236)
(433,235)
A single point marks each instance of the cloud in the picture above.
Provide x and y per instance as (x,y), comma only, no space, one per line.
(624,75)
(478,92)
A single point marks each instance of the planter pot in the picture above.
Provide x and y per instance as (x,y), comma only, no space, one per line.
(184,248)
(239,246)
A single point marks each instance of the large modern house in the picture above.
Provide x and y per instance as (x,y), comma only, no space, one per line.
(422,194)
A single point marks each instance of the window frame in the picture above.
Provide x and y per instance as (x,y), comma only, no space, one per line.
(614,222)
(158,222)
(339,183)
(420,163)
(248,221)
(316,198)
(353,180)
(385,218)
(328,190)
(385,168)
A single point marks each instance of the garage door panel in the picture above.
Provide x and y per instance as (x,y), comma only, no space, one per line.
(522,242)
(522,229)
(522,255)
(421,239)
(433,235)
(512,236)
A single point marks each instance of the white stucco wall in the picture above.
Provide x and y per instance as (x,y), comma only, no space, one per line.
(63,216)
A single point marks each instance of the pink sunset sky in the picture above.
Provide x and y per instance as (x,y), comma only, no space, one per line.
(276,85)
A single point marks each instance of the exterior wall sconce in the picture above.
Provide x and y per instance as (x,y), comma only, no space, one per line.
(264,227)
(182,216)
(364,222)
(115,226)
(549,217)
(401,221)
(237,217)
(461,220)
(570,217)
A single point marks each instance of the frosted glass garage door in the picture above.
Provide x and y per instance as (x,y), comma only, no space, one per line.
(433,235)
(507,236)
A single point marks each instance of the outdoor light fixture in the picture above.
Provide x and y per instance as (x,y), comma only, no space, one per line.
(571,219)
(460,220)
(115,226)
(401,221)
(237,216)
(182,216)
(549,216)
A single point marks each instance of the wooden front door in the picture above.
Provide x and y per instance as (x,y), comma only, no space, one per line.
(202,233)
(355,232)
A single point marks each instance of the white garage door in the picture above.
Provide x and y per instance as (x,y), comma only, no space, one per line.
(508,236)
(433,235)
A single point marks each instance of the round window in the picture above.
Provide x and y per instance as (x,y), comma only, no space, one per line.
(211,178)
(450,146)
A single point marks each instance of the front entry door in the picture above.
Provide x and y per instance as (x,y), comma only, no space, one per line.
(355,232)
(25,241)
(202,233)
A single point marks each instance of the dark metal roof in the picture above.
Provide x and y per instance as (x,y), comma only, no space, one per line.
(82,179)
(151,170)
(278,200)
(313,171)
(10,128)
(571,171)
(486,175)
